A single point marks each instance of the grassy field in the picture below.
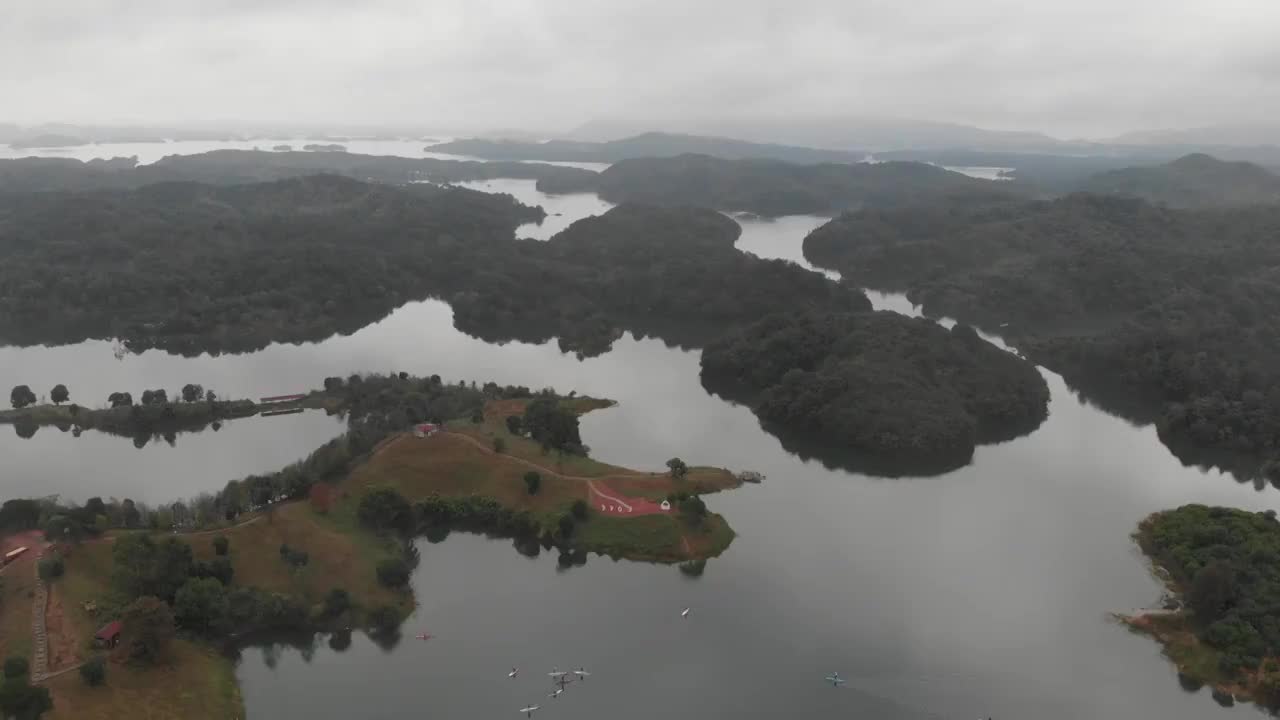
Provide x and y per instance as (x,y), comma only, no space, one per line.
(196,684)
(340,557)
(495,426)
(659,538)
(450,466)
(462,463)
(15,607)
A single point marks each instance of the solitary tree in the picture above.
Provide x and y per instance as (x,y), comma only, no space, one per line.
(21,396)
(579,509)
(532,482)
(514,424)
(1212,592)
(678,468)
(147,630)
(499,445)
(59,394)
(192,392)
(221,544)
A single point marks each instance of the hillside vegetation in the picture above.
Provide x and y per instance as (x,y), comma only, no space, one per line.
(192,267)
(1193,181)
(893,388)
(1173,312)
(1225,564)
(773,188)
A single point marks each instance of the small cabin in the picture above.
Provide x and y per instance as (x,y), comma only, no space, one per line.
(425,430)
(109,635)
(14,555)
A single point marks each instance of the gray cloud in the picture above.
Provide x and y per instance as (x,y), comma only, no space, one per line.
(1070,67)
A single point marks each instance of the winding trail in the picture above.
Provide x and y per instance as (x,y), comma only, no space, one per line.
(615,506)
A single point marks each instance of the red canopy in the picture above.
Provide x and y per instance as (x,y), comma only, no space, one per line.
(109,631)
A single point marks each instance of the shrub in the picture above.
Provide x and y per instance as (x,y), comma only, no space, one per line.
(393,572)
(336,602)
(51,568)
(383,509)
(94,671)
(499,445)
(221,545)
(532,482)
(16,667)
(566,525)
(579,509)
(385,618)
(148,629)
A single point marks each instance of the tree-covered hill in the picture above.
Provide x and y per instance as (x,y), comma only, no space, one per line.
(773,188)
(1174,310)
(1192,181)
(225,167)
(191,267)
(886,386)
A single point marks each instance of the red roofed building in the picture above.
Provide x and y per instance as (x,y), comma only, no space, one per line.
(109,635)
(425,430)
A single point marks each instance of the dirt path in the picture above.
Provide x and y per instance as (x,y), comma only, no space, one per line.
(611,505)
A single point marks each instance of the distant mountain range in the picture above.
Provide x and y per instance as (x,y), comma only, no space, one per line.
(841,133)
(1192,181)
(774,187)
(1223,135)
(650,144)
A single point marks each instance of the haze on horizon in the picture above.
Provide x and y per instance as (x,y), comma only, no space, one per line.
(1070,68)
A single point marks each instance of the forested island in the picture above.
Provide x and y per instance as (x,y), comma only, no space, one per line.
(1224,565)
(773,188)
(1193,181)
(673,273)
(195,268)
(1167,314)
(230,167)
(904,394)
(645,145)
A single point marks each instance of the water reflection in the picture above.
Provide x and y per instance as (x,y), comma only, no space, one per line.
(562,210)
(983,592)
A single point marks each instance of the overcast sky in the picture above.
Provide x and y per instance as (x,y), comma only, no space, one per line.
(1067,67)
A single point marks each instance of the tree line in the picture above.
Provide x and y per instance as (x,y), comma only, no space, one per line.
(1174,311)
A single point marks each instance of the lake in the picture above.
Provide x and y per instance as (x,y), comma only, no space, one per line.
(981,592)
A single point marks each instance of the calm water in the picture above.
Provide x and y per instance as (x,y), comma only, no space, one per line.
(983,592)
(150,152)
